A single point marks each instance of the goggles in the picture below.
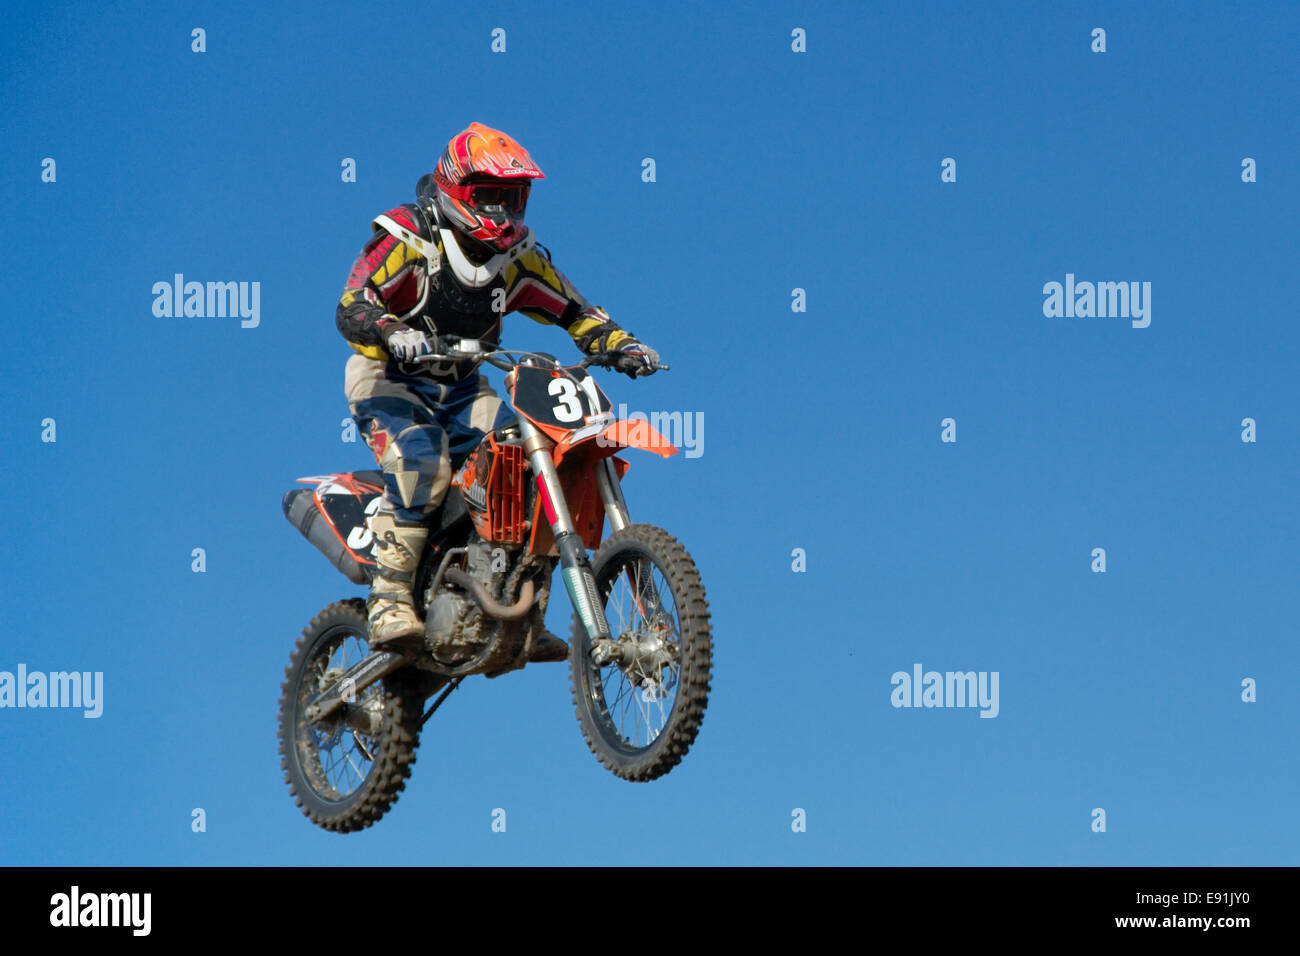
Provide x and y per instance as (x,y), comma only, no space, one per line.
(491,196)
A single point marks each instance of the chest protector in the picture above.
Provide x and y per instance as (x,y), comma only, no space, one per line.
(443,306)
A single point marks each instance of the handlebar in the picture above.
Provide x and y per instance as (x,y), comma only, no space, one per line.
(456,349)
(610,360)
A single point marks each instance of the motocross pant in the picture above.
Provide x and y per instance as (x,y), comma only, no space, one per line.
(420,429)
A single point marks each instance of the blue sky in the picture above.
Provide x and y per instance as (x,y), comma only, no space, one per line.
(775,170)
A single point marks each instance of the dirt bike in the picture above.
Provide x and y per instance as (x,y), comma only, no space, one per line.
(531,495)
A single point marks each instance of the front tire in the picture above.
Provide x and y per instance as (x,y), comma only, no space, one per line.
(641,713)
(344,779)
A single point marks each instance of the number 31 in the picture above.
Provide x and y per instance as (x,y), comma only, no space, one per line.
(569,409)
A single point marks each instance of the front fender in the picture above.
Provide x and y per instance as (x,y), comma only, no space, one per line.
(608,441)
(637,434)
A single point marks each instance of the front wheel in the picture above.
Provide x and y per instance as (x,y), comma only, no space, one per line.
(640,696)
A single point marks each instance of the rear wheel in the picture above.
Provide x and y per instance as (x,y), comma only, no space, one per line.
(347,770)
(640,697)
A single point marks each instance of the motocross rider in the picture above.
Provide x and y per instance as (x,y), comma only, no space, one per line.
(451,263)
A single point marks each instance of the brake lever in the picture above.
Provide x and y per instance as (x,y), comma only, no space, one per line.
(610,359)
(446,353)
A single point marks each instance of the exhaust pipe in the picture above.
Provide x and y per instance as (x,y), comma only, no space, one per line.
(487,603)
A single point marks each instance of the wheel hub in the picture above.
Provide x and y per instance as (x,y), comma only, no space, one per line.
(643,655)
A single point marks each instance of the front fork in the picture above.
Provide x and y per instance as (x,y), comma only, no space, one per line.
(575,568)
(611,493)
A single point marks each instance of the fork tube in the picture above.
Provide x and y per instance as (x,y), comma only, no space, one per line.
(575,569)
(611,493)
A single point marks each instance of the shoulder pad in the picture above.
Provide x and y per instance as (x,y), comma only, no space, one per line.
(405,215)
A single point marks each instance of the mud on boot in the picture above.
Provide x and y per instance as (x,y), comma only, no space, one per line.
(548,648)
(390,607)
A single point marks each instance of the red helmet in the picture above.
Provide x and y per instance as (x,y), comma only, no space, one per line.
(482,183)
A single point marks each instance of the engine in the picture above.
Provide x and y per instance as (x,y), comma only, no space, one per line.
(455,627)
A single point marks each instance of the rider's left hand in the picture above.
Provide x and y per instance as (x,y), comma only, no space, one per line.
(636,358)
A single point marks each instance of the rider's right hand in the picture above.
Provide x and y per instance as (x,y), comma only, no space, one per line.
(404,343)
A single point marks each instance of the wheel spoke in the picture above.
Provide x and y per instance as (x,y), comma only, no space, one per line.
(646,691)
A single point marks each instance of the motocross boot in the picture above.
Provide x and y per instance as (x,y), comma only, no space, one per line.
(547,647)
(391,605)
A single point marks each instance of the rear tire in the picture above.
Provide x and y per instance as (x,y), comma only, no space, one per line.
(605,696)
(373,766)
